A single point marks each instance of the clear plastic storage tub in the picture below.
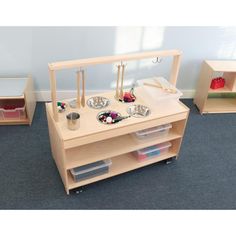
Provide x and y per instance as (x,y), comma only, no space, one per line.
(158,131)
(91,170)
(12,109)
(152,151)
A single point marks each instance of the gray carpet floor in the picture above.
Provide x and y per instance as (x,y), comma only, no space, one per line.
(204,177)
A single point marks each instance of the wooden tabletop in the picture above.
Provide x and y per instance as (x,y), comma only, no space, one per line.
(90,125)
(222,66)
(12,87)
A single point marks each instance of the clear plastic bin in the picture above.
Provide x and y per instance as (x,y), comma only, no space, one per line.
(91,170)
(158,131)
(152,151)
(12,109)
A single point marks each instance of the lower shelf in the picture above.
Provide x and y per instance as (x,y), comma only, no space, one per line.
(120,164)
(15,122)
(220,105)
(225,89)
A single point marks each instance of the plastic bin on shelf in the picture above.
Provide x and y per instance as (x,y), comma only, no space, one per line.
(158,131)
(91,170)
(152,151)
(12,109)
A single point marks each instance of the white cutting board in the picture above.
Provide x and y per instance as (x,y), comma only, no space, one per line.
(12,87)
(157,94)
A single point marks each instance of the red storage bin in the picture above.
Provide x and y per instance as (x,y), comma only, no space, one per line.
(12,109)
(218,82)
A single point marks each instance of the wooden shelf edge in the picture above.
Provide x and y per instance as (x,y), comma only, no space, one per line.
(225,89)
(13,97)
(15,122)
(120,164)
(220,105)
(218,111)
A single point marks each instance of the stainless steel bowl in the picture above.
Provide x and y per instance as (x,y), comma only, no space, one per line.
(73,103)
(138,111)
(105,112)
(98,102)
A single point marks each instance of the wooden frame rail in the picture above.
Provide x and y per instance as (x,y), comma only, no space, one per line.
(74,64)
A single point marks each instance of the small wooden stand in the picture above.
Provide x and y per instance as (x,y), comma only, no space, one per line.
(94,141)
(16,89)
(202,99)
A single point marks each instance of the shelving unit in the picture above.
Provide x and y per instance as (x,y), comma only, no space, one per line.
(94,141)
(15,91)
(203,98)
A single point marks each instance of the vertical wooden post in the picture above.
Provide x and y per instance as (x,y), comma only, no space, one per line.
(53,94)
(122,81)
(175,69)
(118,82)
(78,88)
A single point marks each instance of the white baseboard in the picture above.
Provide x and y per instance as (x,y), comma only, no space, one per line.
(45,95)
(190,93)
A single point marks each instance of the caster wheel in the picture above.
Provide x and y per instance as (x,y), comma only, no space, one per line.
(79,191)
(168,161)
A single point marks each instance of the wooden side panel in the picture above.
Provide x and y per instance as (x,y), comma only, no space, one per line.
(230,80)
(30,100)
(58,151)
(181,127)
(203,86)
(53,94)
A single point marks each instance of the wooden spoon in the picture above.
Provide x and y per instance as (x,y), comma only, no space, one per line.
(122,81)
(118,82)
(170,90)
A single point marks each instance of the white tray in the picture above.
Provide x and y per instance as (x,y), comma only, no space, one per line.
(153,94)
(12,87)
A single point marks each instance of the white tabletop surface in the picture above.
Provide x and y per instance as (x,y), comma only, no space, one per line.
(12,87)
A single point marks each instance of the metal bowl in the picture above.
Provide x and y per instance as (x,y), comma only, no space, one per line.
(73,103)
(98,102)
(104,113)
(138,111)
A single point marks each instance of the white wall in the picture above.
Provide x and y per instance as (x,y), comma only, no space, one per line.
(25,50)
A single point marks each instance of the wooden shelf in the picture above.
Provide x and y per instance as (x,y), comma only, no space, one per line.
(120,164)
(15,91)
(13,97)
(220,105)
(111,147)
(204,100)
(222,66)
(15,122)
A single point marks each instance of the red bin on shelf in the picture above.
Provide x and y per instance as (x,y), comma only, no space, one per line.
(218,82)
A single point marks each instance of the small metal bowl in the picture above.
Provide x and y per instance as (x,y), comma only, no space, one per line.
(105,112)
(73,103)
(138,111)
(98,102)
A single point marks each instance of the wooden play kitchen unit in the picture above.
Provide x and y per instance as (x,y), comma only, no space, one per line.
(94,141)
(209,99)
(17,101)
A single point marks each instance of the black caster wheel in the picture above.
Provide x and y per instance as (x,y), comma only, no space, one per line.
(79,191)
(168,161)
